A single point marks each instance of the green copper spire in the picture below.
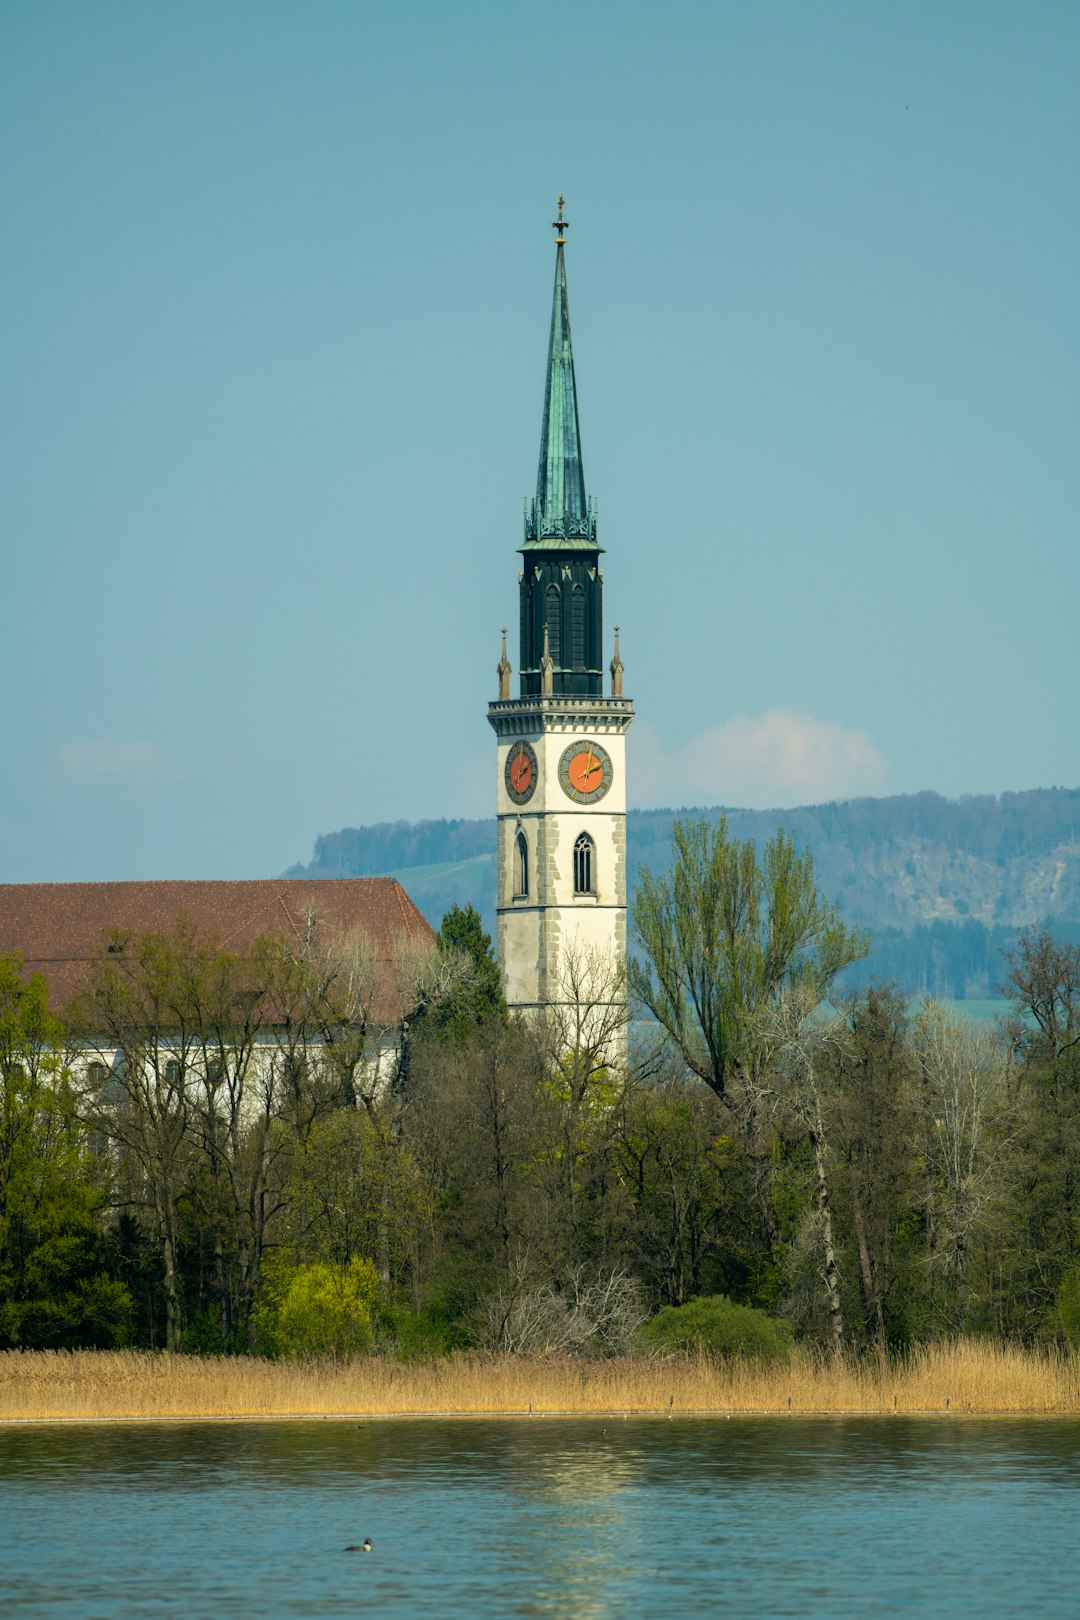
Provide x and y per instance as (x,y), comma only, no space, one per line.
(560,510)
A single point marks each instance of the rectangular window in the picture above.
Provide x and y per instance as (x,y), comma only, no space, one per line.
(553,619)
(577,626)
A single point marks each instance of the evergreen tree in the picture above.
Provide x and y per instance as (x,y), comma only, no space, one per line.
(479,998)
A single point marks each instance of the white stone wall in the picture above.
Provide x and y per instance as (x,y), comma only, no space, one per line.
(263,1069)
(535,930)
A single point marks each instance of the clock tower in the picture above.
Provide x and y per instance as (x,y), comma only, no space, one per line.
(561,741)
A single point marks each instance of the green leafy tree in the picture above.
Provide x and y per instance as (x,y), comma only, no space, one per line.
(319,1310)
(685,1180)
(356,1192)
(1043,1245)
(874,1133)
(724,934)
(57,1287)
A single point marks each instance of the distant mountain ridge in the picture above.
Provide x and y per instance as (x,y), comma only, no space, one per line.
(943,884)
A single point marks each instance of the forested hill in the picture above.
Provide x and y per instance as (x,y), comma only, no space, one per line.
(943,884)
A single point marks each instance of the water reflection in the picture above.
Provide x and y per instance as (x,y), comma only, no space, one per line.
(543,1518)
(586,1481)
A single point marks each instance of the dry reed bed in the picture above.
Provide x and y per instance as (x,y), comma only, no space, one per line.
(967,1376)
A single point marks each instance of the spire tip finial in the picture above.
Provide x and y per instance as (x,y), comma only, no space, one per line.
(560,225)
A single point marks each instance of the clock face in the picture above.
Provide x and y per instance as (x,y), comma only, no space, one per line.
(586,772)
(520,773)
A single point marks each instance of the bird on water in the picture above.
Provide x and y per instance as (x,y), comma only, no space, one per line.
(364,1546)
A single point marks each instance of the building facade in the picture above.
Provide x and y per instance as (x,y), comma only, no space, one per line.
(561,742)
(192,1033)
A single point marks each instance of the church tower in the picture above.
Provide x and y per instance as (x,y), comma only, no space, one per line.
(561,742)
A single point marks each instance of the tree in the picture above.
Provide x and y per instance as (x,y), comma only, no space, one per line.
(213,1070)
(57,1288)
(723,935)
(478,996)
(874,1136)
(319,1310)
(585,1021)
(584,1312)
(1044,981)
(685,1181)
(474,1125)
(142,1007)
(968,1128)
(800,1073)
(356,1193)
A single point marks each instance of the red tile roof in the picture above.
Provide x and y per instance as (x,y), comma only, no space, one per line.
(61,929)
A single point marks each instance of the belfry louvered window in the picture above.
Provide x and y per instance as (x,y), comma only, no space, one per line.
(584,866)
(553,611)
(577,627)
(521,867)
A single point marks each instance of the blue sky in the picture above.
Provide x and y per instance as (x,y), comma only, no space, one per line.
(277,284)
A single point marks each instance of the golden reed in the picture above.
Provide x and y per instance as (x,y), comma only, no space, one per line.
(961,1377)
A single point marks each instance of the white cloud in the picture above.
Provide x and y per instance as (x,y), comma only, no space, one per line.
(108,759)
(771,760)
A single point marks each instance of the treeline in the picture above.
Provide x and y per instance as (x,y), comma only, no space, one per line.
(994,829)
(388,846)
(951,961)
(944,885)
(279,1152)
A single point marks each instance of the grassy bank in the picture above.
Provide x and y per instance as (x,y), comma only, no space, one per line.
(959,1378)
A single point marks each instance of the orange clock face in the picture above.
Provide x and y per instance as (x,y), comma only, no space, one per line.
(520,773)
(586,772)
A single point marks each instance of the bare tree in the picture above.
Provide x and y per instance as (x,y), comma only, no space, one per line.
(141,1016)
(963,1071)
(797,1044)
(582,1036)
(213,1072)
(593,1313)
(474,1122)
(425,977)
(585,1021)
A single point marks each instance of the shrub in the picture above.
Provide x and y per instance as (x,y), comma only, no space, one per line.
(589,1313)
(435,1329)
(95,1313)
(318,1310)
(719,1327)
(1064,1320)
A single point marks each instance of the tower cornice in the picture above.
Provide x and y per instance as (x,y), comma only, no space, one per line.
(533,716)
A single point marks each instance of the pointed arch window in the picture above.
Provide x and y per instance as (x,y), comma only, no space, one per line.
(584,865)
(553,620)
(521,866)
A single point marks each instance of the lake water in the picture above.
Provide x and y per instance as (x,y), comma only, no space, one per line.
(554,1517)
